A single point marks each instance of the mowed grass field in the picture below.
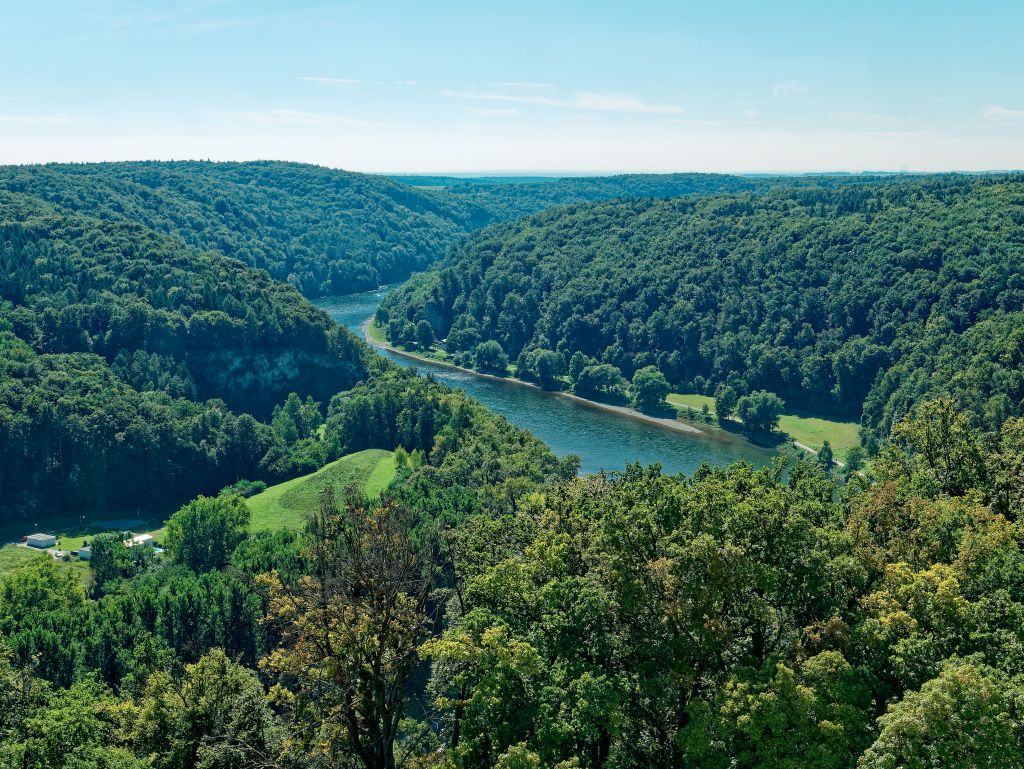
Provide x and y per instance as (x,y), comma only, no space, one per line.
(286,505)
(72,532)
(14,559)
(802,427)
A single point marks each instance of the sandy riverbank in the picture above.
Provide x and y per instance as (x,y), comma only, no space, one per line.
(668,424)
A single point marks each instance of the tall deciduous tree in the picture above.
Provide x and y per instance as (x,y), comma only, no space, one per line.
(650,388)
(759,411)
(350,631)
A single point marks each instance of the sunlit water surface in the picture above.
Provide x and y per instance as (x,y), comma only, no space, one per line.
(602,440)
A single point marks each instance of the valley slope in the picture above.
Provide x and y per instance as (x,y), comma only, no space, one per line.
(867,297)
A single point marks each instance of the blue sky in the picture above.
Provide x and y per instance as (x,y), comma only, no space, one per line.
(520,86)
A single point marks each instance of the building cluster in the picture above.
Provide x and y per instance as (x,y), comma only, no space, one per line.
(42,541)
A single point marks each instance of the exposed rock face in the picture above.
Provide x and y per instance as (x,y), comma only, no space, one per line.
(254,381)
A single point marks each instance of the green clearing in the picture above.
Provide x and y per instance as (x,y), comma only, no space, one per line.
(14,558)
(692,400)
(285,505)
(812,431)
(375,333)
(802,427)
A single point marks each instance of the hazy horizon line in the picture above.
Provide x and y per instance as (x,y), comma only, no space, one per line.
(553,173)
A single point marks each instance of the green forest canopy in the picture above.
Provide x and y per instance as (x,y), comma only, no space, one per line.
(490,610)
(735,619)
(859,298)
(327,231)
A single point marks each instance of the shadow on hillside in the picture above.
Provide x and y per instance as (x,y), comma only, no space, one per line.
(662,411)
(764,440)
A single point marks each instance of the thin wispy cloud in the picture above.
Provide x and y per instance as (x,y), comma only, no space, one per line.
(333,82)
(1004,116)
(289,117)
(348,82)
(37,119)
(788,90)
(869,119)
(587,101)
(526,86)
(491,111)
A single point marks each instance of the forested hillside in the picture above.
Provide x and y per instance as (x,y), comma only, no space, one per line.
(488,609)
(864,296)
(509,198)
(324,231)
(138,372)
(133,365)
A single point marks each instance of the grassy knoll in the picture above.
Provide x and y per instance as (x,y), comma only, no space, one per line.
(802,427)
(285,505)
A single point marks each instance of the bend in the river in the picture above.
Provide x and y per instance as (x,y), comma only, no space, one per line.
(603,439)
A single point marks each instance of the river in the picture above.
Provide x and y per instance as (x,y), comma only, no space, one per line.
(602,440)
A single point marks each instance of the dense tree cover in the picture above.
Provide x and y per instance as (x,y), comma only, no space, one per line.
(737,618)
(472,459)
(493,610)
(507,198)
(870,295)
(134,370)
(163,315)
(205,532)
(744,619)
(324,231)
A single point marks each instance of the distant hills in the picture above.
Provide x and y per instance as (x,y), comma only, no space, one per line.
(325,231)
(839,297)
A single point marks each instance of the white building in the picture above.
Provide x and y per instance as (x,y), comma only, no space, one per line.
(140,540)
(42,541)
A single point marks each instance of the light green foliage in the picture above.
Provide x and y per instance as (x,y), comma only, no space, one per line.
(490,358)
(203,533)
(759,412)
(43,612)
(215,717)
(650,388)
(725,401)
(541,366)
(965,717)
(83,727)
(811,714)
(601,380)
(110,560)
(286,505)
(295,420)
(639,584)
